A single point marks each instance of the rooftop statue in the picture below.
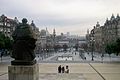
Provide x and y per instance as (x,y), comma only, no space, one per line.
(24,45)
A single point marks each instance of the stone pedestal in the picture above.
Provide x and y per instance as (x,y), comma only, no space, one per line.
(21,72)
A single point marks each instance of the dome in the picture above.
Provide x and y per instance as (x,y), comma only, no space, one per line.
(112,17)
(97,25)
(43,32)
(32,24)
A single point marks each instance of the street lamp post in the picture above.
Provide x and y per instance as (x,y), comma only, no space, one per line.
(92,48)
(92,43)
(102,51)
(42,54)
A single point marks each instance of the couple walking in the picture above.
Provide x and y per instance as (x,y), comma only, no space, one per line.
(63,69)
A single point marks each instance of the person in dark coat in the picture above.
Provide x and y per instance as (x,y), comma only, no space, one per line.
(1,55)
(63,69)
(59,69)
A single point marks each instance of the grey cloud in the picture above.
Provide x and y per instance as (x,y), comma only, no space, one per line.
(59,13)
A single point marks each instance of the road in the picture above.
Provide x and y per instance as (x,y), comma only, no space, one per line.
(85,58)
(76,58)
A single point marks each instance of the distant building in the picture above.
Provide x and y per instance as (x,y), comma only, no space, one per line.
(8,25)
(45,39)
(52,40)
(97,37)
(111,29)
(105,34)
(70,40)
(37,35)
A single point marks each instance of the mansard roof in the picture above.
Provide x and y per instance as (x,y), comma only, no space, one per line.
(117,17)
(6,19)
(2,16)
(107,22)
(32,24)
(112,17)
(97,25)
(44,32)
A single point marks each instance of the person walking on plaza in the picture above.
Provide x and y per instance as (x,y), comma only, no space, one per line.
(59,69)
(1,55)
(67,69)
(63,69)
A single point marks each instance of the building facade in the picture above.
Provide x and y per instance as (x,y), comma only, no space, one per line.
(70,40)
(8,25)
(37,36)
(97,37)
(46,40)
(105,34)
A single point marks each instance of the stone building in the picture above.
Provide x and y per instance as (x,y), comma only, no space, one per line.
(111,29)
(107,33)
(7,25)
(37,35)
(70,40)
(46,40)
(97,37)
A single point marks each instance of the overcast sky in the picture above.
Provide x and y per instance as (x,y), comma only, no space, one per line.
(74,16)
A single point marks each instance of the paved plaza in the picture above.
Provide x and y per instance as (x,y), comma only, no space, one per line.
(78,71)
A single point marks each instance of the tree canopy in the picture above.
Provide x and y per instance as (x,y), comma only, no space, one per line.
(65,46)
(113,47)
(5,42)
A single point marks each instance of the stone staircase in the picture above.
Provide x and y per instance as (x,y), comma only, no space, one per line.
(64,76)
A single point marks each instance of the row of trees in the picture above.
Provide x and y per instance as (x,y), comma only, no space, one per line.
(5,42)
(113,47)
(57,47)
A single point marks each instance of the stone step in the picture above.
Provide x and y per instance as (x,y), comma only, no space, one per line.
(62,76)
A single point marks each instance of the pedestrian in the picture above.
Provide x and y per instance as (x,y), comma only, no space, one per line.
(1,55)
(75,53)
(85,58)
(67,69)
(59,69)
(63,69)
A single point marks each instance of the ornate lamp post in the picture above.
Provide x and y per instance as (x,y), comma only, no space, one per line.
(92,44)
(42,53)
(54,39)
(102,51)
(92,48)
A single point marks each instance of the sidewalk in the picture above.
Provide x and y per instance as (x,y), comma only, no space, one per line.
(106,58)
(77,57)
(6,59)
